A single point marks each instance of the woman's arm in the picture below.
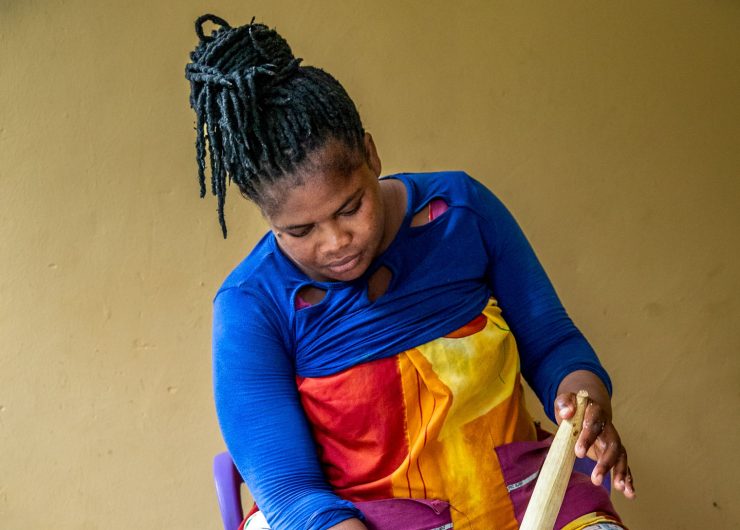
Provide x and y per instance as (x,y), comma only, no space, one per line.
(556,359)
(550,346)
(262,420)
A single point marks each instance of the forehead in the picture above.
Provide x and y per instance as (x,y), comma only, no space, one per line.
(334,156)
(326,179)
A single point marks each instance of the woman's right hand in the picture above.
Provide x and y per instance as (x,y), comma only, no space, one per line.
(599,438)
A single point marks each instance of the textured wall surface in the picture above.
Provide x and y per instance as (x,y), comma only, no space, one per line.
(611,129)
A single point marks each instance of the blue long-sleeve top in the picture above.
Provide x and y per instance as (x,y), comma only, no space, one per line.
(443,274)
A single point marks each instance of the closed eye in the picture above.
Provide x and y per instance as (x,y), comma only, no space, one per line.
(301,233)
(303,230)
(352,211)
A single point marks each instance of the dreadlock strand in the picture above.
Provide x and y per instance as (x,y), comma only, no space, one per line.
(245,110)
(221,215)
(227,126)
(291,131)
(239,132)
(214,145)
(234,57)
(200,147)
(212,18)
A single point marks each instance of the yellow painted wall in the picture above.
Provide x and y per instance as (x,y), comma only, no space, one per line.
(612,129)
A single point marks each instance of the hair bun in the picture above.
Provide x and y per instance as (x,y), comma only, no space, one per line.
(271,48)
(251,53)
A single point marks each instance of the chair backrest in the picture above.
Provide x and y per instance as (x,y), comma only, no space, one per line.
(228,490)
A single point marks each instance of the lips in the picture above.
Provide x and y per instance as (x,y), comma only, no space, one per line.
(345,264)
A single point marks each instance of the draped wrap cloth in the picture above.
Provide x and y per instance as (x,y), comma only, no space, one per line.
(444,421)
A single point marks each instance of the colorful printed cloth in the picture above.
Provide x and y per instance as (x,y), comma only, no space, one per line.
(437,422)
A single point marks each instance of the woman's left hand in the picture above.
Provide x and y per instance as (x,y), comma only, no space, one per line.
(599,438)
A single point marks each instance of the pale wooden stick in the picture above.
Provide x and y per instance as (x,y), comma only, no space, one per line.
(549,491)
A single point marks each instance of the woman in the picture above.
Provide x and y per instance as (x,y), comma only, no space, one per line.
(364,350)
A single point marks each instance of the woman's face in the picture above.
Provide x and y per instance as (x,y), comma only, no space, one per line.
(332,224)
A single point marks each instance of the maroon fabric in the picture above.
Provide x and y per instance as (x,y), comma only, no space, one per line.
(521,460)
(405,514)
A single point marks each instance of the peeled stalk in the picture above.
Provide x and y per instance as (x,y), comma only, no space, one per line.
(549,490)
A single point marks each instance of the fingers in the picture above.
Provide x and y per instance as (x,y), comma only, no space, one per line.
(613,455)
(565,406)
(623,480)
(595,421)
(609,450)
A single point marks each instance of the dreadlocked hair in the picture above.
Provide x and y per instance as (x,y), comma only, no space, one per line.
(258,111)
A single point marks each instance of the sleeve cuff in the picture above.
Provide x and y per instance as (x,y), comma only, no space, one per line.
(333,514)
(552,391)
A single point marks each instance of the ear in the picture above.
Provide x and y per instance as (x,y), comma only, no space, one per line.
(373,160)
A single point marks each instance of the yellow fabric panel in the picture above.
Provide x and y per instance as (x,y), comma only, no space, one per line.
(463,397)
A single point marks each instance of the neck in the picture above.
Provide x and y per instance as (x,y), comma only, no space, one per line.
(393,193)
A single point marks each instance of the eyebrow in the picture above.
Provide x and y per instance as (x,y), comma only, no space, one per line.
(344,205)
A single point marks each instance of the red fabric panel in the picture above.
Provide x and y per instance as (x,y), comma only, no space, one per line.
(358,421)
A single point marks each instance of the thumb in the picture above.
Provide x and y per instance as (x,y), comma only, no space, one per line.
(565,406)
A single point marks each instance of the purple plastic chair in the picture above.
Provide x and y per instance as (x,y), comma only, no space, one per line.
(228,486)
(386,515)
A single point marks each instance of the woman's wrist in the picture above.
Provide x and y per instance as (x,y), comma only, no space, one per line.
(589,381)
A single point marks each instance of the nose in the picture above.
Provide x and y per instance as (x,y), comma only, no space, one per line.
(336,239)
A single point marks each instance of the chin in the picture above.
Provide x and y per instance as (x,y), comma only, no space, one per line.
(347,276)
